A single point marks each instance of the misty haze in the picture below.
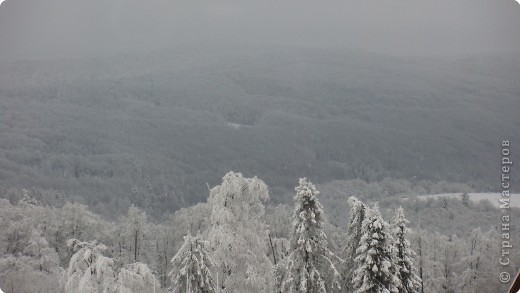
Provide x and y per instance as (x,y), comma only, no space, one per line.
(259,146)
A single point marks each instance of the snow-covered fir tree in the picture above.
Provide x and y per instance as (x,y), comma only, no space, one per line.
(310,266)
(465,199)
(406,271)
(192,267)
(357,215)
(375,271)
(238,234)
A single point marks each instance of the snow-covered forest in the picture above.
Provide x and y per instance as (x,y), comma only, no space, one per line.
(152,129)
(270,146)
(237,241)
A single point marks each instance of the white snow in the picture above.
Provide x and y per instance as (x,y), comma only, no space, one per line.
(237,125)
(492,197)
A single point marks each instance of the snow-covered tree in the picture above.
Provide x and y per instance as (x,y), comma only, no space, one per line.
(476,265)
(465,198)
(159,251)
(279,221)
(192,267)
(132,241)
(75,221)
(357,216)
(309,268)
(420,257)
(437,257)
(406,271)
(375,268)
(137,278)
(45,258)
(191,220)
(89,270)
(37,262)
(238,234)
(27,200)
(18,274)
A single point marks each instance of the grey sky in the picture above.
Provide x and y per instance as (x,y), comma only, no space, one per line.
(34,28)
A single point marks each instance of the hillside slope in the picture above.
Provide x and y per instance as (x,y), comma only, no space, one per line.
(150,129)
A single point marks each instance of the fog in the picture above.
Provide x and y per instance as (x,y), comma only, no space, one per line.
(71,28)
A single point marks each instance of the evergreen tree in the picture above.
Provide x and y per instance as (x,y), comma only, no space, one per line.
(357,215)
(375,270)
(465,199)
(192,267)
(406,271)
(445,202)
(309,268)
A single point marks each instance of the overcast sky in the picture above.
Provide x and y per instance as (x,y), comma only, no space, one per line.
(30,28)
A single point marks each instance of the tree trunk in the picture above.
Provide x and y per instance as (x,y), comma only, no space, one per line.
(135,245)
(272,248)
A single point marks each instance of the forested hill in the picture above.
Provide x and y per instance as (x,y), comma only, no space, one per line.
(70,249)
(151,129)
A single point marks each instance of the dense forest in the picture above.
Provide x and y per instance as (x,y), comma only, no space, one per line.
(238,240)
(154,129)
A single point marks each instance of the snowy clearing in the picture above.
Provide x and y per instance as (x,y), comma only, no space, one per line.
(237,125)
(493,197)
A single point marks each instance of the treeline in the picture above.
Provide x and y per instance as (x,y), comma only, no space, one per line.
(147,196)
(235,243)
